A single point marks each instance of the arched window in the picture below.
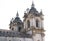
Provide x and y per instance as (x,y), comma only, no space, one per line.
(38,40)
(12,28)
(19,28)
(37,23)
(9,40)
(28,23)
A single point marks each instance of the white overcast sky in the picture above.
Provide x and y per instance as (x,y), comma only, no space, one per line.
(50,9)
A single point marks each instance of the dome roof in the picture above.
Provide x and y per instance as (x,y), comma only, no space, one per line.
(33,9)
(17,19)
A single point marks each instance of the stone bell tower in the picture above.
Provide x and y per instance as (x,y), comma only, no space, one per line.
(33,23)
(16,24)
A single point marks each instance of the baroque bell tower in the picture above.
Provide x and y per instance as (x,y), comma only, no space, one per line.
(16,24)
(33,23)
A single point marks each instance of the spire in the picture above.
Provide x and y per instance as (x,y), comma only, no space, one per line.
(17,15)
(32,4)
(41,12)
(33,9)
(12,19)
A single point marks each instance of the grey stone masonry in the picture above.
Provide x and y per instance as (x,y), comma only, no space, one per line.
(9,33)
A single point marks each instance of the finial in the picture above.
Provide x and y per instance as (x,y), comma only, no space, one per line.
(12,20)
(27,10)
(17,14)
(32,4)
(41,12)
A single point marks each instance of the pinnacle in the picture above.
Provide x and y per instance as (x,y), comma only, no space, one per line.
(17,14)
